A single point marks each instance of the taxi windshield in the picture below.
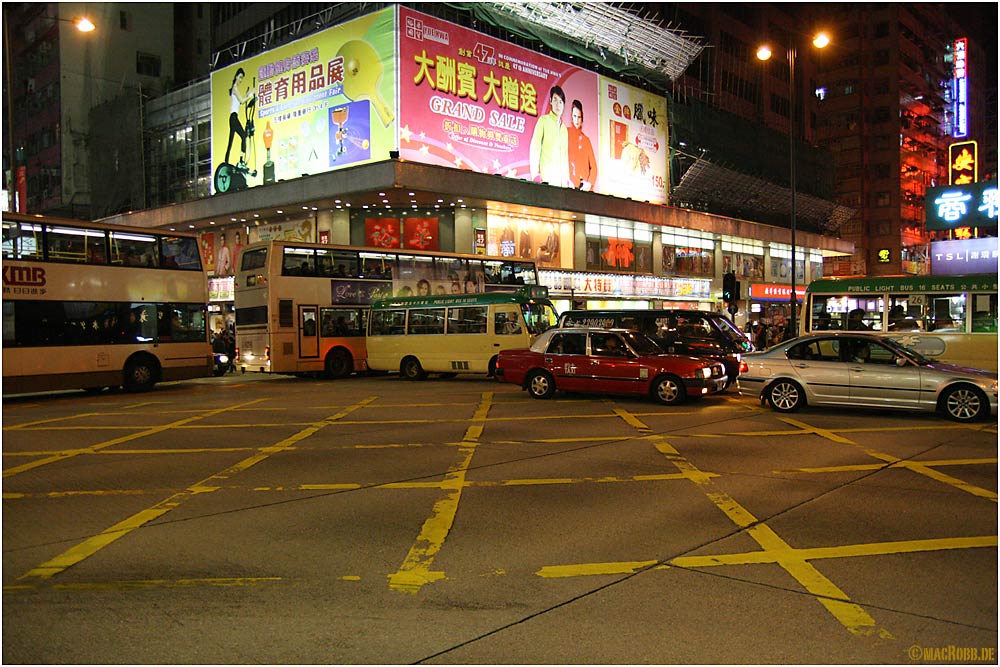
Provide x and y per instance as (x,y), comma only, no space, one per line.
(642,344)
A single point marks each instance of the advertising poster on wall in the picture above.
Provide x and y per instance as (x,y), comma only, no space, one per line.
(411,233)
(473,102)
(541,241)
(633,143)
(301,230)
(310,106)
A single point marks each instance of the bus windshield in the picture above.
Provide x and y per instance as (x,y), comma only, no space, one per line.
(539,316)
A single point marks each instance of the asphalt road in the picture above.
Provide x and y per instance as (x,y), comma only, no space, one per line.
(374,520)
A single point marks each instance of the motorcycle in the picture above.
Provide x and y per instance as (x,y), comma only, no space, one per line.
(221,364)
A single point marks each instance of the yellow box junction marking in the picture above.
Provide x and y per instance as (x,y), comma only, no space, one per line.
(416,571)
(89,547)
(836,601)
(919,467)
(70,453)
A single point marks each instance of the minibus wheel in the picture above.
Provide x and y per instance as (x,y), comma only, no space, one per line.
(411,369)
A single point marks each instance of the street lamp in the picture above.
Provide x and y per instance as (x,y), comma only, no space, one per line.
(820,40)
(83,24)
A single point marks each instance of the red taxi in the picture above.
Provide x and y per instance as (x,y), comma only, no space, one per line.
(613,361)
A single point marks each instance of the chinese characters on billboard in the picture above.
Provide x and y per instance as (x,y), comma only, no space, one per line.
(316,104)
(474,102)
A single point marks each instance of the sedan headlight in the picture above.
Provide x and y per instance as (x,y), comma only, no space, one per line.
(706,372)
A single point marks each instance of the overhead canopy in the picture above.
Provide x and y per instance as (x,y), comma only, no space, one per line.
(601,32)
(706,184)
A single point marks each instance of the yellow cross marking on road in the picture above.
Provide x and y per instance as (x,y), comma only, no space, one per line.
(416,571)
(89,547)
(836,601)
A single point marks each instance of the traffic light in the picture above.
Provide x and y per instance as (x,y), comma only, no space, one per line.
(730,288)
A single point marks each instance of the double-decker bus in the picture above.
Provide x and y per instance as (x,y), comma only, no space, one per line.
(952,318)
(458,333)
(88,306)
(302,308)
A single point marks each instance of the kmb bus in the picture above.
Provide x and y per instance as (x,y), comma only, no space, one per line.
(458,333)
(302,308)
(952,318)
(89,305)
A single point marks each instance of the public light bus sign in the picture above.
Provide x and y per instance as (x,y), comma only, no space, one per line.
(961,89)
(968,205)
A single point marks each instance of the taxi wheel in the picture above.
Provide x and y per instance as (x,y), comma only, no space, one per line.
(669,390)
(963,403)
(412,370)
(541,385)
(785,396)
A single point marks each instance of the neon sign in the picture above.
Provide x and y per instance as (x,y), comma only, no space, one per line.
(960,105)
(964,167)
(966,205)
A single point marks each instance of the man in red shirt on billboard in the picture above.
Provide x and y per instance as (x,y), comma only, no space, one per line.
(582,164)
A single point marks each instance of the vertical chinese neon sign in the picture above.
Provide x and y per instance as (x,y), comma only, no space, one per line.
(961,92)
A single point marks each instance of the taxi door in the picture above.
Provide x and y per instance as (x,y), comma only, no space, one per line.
(566,359)
(613,366)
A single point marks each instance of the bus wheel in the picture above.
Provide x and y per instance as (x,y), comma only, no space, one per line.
(412,370)
(140,374)
(541,385)
(339,364)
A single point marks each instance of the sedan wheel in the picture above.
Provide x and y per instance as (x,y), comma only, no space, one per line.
(785,396)
(669,390)
(964,404)
(541,385)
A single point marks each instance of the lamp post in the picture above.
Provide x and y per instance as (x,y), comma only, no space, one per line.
(83,24)
(821,40)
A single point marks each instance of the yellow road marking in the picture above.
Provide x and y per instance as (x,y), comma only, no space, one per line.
(10,472)
(766,557)
(822,432)
(875,466)
(836,601)
(920,467)
(89,547)
(416,571)
(353,486)
(139,584)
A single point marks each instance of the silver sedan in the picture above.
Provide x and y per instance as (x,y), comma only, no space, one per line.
(853,369)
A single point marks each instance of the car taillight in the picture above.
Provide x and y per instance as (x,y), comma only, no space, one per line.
(744,367)
(237,353)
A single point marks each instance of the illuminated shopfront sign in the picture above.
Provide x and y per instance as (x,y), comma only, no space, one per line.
(954,206)
(580,285)
(960,106)
(474,102)
(775,292)
(965,256)
(963,163)
(316,104)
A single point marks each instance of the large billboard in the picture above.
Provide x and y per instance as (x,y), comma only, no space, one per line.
(474,102)
(633,142)
(316,104)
